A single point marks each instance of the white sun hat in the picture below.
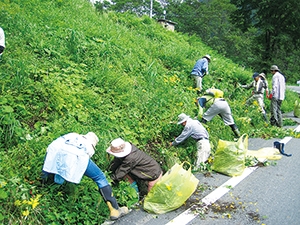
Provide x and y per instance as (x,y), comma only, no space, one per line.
(182,118)
(207,56)
(92,138)
(119,148)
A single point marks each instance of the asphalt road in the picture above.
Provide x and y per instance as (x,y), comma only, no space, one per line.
(269,195)
(294,88)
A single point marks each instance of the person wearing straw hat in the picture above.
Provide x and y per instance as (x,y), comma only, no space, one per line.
(193,128)
(69,158)
(132,164)
(199,70)
(277,96)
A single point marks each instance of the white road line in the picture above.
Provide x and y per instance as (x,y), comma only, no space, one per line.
(222,190)
(188,215)
(297,129)
(286,140)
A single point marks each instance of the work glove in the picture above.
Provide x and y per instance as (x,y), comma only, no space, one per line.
(270,96)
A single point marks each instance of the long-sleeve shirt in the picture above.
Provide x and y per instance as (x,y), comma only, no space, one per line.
(200,68)
(258,86)
(2,37)
(278,86)
(194,129)
(68,156)
(136,164)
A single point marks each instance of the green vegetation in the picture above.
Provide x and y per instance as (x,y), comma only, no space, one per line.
(253,33)
(67,68)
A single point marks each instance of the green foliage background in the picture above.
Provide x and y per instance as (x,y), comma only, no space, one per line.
(67,68)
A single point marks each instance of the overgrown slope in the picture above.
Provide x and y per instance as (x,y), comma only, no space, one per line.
(67,68)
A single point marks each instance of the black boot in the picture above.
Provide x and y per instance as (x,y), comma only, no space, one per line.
(203,121)
(235,130)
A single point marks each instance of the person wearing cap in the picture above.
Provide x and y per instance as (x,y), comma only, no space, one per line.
(216,105)
(69,158)
(199,70)
(259,86)
(2,41)
(132,164)
(277,96)
(194,129)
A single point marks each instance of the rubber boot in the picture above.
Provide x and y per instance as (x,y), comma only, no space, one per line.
(115,211)
(237,133)
(203,121)
(235,130)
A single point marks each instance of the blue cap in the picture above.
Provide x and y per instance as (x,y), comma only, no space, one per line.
(255,75)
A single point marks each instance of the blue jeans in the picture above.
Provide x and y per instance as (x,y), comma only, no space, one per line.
(92,171)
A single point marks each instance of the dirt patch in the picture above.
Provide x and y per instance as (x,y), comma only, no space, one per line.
(224,207)
(254,216)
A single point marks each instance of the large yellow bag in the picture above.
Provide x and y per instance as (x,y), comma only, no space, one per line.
(229,157)
(297,109)
(265,153)
(171,191)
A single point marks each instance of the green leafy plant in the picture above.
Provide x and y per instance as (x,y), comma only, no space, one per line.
(68,68)
(126,194)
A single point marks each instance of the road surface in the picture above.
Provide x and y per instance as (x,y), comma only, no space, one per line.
(267,195)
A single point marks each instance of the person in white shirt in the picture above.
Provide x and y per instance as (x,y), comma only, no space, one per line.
(2,41)
(69,158)
(277,96)
(259,86)
(194,129)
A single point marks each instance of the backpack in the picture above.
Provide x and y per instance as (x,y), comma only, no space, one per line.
(216,93)
(209,97)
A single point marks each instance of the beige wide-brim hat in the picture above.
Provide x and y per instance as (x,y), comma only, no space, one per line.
(92,138)
(119,148)
(274,67)
(182,118)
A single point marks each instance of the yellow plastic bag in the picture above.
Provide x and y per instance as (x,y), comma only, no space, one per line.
(297,109)
(229,158)
(265,153)
(171,191)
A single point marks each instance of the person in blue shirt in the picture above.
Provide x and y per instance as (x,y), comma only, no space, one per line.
(200,70)
(69,158)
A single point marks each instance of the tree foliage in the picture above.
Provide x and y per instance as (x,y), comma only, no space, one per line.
(211,21)
(137,7)
(255,33)
(277,23)
(67,68)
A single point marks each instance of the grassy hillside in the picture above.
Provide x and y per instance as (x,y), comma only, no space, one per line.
(67,68)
